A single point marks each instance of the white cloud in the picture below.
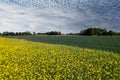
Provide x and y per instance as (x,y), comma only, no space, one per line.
(14,17)
(17,18)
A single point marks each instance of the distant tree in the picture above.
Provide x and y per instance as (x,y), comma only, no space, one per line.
(17,33)
(70,34)
(26,33)
(53,33)
(34,33)
(88,31)
(105,33)
(94,31)
(110,32)
(41,33)
(11,33)
(5,33)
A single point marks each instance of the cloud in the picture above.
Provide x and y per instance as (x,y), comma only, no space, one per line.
(18,16)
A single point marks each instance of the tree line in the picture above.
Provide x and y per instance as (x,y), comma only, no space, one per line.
(29,33)
(86,32)
(96,31)
(15,33)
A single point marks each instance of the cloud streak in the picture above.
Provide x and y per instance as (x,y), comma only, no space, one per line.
(17,17)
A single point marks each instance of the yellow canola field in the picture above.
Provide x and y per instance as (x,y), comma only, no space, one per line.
(24,60)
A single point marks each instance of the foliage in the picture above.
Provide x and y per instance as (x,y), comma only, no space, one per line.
(86,32)
(16,33)
(97,31)
(93,31)
(23,60)
(50,33)
(29,33)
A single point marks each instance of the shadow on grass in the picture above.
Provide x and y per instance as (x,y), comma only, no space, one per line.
(107,43)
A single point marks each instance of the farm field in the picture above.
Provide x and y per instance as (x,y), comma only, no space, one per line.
(107,43)
(27,60)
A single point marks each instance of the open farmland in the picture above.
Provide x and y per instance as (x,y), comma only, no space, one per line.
(25,60)
(107,43)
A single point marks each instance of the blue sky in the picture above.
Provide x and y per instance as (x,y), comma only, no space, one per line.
(58,15)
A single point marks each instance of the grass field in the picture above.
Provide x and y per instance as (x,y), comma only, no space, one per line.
(107,43)
(25,60)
